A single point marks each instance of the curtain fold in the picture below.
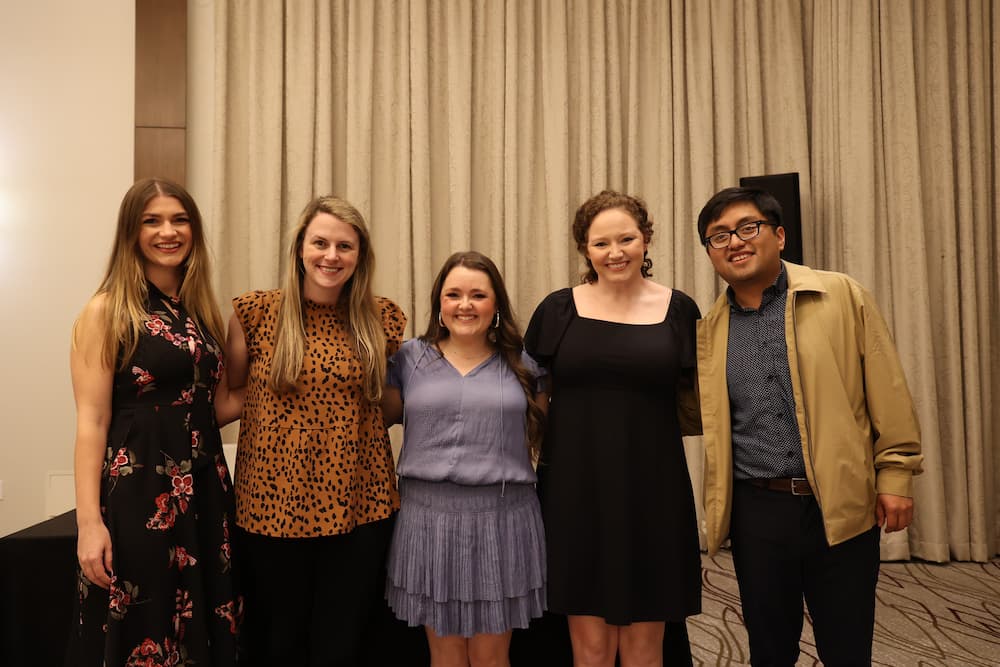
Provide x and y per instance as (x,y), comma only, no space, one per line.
(456,124)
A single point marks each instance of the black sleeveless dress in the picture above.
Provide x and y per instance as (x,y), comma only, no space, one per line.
(167,499)
(616,495)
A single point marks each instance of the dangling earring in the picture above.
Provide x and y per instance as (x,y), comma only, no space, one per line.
(496,320)
(441,321)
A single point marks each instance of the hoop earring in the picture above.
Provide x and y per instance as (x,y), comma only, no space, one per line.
(496,320)
(441,321)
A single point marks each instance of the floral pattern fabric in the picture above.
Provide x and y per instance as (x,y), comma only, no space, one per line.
(167,499)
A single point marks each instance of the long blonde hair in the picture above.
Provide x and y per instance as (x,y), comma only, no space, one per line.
(124,284)
(364,318)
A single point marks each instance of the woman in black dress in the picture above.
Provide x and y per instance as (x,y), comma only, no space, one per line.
(616,496)
(154,499)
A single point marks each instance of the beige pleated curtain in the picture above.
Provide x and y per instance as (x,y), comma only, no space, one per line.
(455,124)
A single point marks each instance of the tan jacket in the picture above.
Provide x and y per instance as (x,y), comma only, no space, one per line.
(859,432)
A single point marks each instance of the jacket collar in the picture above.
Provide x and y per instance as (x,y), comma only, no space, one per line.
(800,279)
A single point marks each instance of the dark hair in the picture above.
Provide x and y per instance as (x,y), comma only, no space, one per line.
(602,201)
(506,337)
(723,199)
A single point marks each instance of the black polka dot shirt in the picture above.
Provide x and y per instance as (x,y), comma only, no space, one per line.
(766,440)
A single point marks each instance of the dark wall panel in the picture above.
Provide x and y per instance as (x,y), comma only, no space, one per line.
(784,188)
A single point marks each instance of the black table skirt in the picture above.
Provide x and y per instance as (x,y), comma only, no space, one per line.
(37,585)
(38,582)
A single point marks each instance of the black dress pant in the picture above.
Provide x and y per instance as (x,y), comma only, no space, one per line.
(310,601)
(781,556)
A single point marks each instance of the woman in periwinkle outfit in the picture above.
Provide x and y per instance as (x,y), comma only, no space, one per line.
(468,555)
(315,488)
(619,511)
(154,501)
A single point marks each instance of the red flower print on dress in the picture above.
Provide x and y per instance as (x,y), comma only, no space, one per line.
(120,463)
(195,441)
(222,471)
(144,380)
(225,550)
(156,326)
(232,612)
(183,489)
(187,397)
(165,515)
(151,654)
(120,596)
(183,609)
(181,557)
(169,505)
(193,339)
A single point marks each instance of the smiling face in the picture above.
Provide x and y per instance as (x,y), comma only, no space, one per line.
(468,303)
(329,253)
(746,265)
(615,246)
(164,236)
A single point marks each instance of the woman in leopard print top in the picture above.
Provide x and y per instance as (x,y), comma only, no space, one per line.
(315,487)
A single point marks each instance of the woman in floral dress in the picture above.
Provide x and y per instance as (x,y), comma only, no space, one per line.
(154,495)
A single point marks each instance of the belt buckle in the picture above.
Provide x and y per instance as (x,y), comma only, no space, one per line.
(796,480)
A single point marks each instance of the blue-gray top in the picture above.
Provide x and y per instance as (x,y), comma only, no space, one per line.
(464,429)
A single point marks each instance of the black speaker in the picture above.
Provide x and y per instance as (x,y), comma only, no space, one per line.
(784,188)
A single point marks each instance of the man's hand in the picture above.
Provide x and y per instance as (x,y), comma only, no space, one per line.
(893,512)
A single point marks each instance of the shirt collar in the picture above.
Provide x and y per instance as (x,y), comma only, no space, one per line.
(776,289)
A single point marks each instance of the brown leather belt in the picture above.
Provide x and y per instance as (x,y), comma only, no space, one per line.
(797,486)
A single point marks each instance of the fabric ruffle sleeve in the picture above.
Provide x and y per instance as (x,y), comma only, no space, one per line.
(393,323)
(688,315)
(547,326)
(538,372)
(685,324)
(400,364)
(250,309)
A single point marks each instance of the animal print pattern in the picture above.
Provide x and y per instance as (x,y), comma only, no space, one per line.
(316,461)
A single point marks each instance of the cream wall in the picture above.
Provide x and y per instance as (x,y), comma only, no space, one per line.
(66,146)
(201,106)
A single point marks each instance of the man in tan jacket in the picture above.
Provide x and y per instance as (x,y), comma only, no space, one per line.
(811,440)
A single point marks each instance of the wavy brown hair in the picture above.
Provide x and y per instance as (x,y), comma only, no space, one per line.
(506,338)
(124,284)
(602,201)
(364,318)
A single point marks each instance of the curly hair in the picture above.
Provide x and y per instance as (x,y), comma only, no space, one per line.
(602,201)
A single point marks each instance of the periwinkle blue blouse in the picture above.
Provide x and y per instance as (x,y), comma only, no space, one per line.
(463,429)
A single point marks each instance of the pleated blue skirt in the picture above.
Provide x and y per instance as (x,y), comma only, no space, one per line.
(466,560)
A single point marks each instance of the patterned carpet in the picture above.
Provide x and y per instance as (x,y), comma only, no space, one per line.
(928,615)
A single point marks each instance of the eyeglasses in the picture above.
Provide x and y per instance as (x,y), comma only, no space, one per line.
(744,231)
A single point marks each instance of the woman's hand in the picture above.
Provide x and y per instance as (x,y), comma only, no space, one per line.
(93,550)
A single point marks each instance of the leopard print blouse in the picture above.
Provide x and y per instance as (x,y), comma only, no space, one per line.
(316,461)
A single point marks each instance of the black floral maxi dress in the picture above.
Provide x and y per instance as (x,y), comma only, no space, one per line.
(167,499)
